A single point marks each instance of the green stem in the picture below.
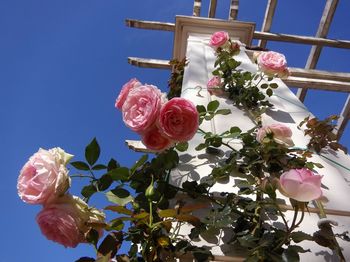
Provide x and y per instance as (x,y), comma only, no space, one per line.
(83,176)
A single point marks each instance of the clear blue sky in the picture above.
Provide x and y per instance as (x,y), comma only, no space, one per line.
(62,63)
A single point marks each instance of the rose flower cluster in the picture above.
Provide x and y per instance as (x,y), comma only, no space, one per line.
(159,122)
(300,184)
(44,180)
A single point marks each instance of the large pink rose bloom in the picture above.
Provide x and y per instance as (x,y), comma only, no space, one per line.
(44,177)
(179,119)
(281,134)
(65,220)
(214,86)
(141,108)
(218,39)
(125,92)
(301,184)
(155,140)
(273,63)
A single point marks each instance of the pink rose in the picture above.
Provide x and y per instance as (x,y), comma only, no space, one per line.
(301,184)
(214,86)
(219,39)
(141,108)
(281,134)
(65,220)
(125,92)
(273,63)
(155,140)
(179,119)
(44,177)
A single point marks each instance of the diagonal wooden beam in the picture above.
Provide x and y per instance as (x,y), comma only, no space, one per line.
(212,8)
(343,118)
(149,63)
(266,26)
(308,40)
(197,7)
(322,32)
(233,10)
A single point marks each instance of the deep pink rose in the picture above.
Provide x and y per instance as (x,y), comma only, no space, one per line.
(214,86)
(179,119)
(44,177)
(219,39)
(141,108)
(281,134)
(273,63)
(301,184)
(65,220)
(155,140)
(125,92)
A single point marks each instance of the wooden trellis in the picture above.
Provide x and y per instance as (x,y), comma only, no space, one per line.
(302,78)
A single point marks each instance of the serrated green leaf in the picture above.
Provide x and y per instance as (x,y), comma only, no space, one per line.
(300,236)
(213,105)
(99,167)
(201,109)
(92,152)
(182,146)
(139,163)
(80,165)
(120,173)
(223,112)
(117,200)
(104,182)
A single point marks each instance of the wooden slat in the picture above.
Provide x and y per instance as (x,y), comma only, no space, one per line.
(323,28)
(319,74)
(152,25)
(149,63)
(269,13)
(233,10)
(321,84)
(308,40)
(197,7)
(343,119)
(212,8)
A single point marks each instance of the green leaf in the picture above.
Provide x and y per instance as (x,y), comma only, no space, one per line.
(80,165)
(99,167)
(201,146)
(182,146)
(85,259)
(273,85)
(264,86)
(120,173)
(120,192)
(269,92)
(213,105)
(111,244)
(201,109)
(112,164)
(88,191)
(117,200)
(104,182)
(223,112)
(92,152)
(92,237)
(300,236)
(139,163)
(119,209)
(117,224)
(167,213)
(235,129)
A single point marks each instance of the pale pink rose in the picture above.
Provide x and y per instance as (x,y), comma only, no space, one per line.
(141,108)
(218,39)
(155,140)
(44,177)
(125,92)
(281,134)
(273,63)
(178,119)
(214,86)
(301,184)
(65,220)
